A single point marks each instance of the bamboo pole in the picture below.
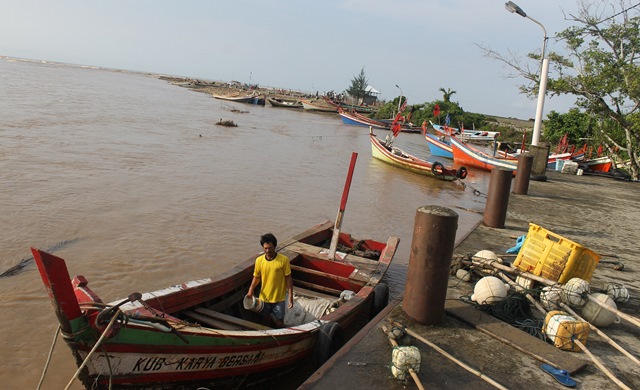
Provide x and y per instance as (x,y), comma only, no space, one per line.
(453,359)
(412,372)
(601,366)
(600,333)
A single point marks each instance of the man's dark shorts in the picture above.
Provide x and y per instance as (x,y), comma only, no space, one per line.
(276,308)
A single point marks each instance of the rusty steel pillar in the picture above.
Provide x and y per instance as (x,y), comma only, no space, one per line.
(434,235)
(495,211)
(525,162)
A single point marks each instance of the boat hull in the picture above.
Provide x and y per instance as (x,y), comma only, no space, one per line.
(469,156)
(437,147)
(399,158)
(198,332)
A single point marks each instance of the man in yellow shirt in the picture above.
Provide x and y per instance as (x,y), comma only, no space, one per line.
(273,272)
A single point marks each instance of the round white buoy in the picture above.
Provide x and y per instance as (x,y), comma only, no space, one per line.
(464,275)
(598,315)
(489,290)
(487,255)
(404,358)
(550,297)
(575,292)
(618,292)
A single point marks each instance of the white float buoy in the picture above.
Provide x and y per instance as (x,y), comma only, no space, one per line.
(464,275)
(550,297)
(487,255)
(575,292)
(404,358)
(596,314)
(618,292)
(489,290)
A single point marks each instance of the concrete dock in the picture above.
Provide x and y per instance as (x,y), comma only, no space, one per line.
(599,213)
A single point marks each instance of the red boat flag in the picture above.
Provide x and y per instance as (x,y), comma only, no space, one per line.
(436,110)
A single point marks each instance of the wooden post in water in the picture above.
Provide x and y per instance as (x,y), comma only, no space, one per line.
(495,210)
(434,235)
(343,204)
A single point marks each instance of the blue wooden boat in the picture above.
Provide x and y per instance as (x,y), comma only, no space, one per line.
(438,145)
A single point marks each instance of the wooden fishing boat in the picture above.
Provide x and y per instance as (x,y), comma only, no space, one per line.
(198,333)
(250,99)
(467,155)
(318,105)
(467,135)
(285,103)
(354,118)
(598,164)
(399,158)
(438,145)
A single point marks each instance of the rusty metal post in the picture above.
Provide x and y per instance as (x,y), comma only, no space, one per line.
(525,162)
(434,235)
(495,210)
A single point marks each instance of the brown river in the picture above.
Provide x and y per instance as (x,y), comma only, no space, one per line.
(129,179)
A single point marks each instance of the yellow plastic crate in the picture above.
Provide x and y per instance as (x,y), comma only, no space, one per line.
(554,257)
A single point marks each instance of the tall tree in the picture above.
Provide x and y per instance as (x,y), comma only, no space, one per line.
(359,85)
(601,68)
(446,94)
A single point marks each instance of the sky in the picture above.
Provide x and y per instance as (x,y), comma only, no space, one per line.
(412,46)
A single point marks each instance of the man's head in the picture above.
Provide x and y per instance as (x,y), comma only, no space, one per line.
(269,243)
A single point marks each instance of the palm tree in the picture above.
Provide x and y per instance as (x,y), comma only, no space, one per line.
(447,94)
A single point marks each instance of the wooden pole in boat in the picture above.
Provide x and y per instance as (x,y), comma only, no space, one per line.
(343,205)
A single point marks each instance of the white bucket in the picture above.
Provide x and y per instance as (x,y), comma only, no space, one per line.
(252,303)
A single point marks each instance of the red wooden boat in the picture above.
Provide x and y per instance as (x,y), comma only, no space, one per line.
(199,334)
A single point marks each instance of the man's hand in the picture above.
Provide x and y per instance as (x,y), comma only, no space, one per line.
(290,302)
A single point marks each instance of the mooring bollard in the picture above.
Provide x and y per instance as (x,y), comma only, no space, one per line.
(434,235)
(495,211)
(525,162)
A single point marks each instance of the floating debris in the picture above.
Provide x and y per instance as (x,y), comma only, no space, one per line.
(228,123)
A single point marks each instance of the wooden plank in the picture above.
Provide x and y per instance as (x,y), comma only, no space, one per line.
(314,251)
(514,337)
(204,320)
(228,301)
(230,319)
(317,287)
(312,294)
(326,275)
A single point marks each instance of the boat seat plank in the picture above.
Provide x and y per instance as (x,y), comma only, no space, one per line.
(313,286)
(211,322)
(311,294)
(323,253)
(230,319)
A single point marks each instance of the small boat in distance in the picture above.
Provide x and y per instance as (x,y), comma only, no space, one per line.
(286,103)
(399,158)
(467,135)
(318,105)
(438,145)
(201,334)
(250,99)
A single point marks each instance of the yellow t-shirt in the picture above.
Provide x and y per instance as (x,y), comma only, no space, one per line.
(272,277)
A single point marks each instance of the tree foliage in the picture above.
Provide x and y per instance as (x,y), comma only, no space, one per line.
(358,86)
(447,93)
(601,69)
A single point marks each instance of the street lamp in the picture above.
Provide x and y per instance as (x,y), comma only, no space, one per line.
(399,100)
(544,71)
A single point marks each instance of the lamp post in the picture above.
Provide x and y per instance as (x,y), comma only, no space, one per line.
(399,100)
(544,71)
